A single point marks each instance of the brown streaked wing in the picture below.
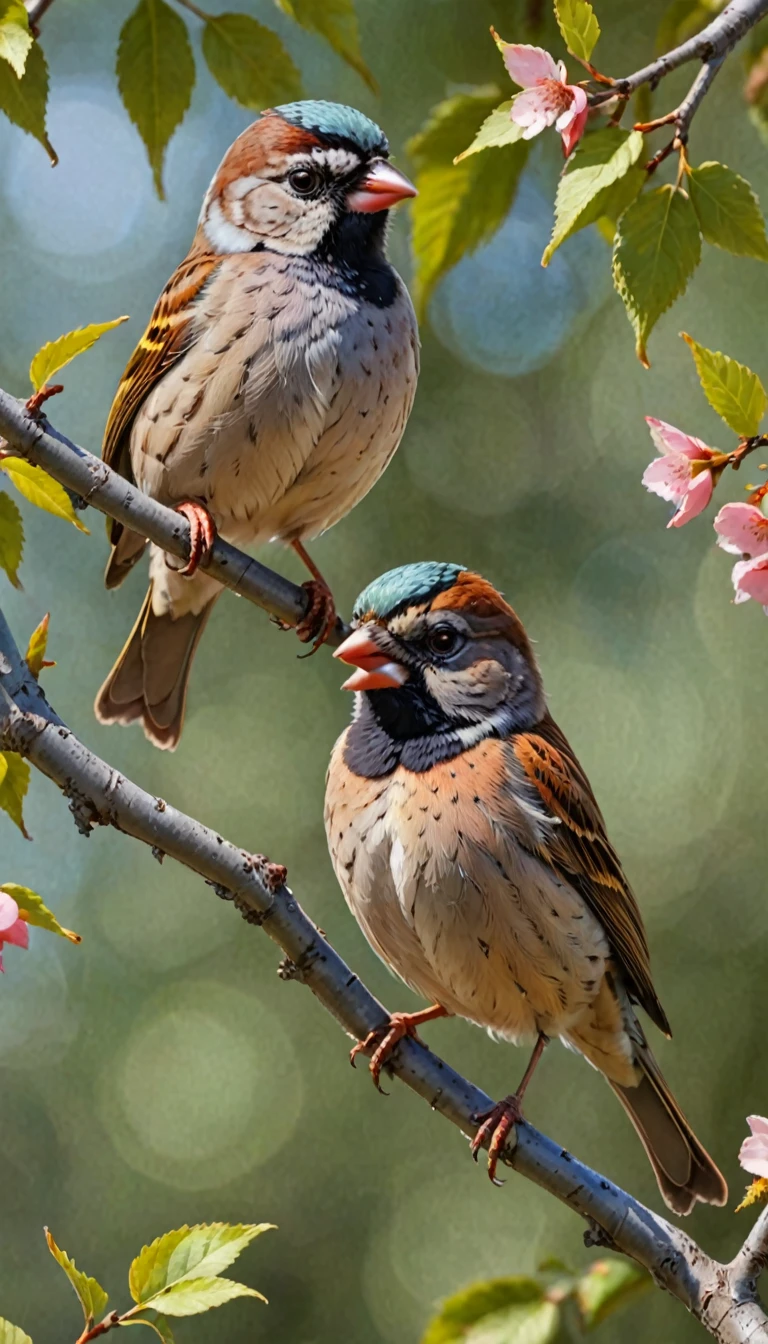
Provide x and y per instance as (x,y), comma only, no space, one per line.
(580,849)
(163,343)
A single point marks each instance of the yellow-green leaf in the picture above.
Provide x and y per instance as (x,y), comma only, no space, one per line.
(731,389)
(40,489)
(157,1323)
(607,1286)
(249,61)
(728,210)
(11,538)
(24,101)
(500,1311)
(3,768)
(336,21)
(55,354)
(497,130)
(12,1334)
(15,37)
(156,76)
(202,1251)
(458,207)
(38,642)
(14,782)
(92,1297)
(193,1296)
(600,162)
(40,917)
(657,249)
(579,27)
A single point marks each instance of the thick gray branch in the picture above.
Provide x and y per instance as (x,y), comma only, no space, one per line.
(722,1297)
(716,40)
(94,482)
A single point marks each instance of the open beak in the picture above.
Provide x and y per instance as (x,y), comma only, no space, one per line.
(383,187)
(375,670)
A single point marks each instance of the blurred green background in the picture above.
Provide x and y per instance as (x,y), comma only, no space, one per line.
(161,1073)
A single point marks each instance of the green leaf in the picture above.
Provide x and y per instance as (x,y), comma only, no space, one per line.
(92,1297)
(458,207)
(195,1252)
(733,390)
(12,1334)
(40,917)
(336,21)
(579,27)
(24,100)
(497,130)
(14,783)
(11,537)
(38,643)
(249,61)
(728,211)
(3,767)
(482,1302)
(593,170)
(156,76)
(40,489)
(55,354)
(192,1296)
(657,249)
(607,1286)
(159,1324)
(15,37)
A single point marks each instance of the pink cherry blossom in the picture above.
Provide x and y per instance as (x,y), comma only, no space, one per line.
(547,98)
(742,529)
(681,474)
(753,1154)
(12,928)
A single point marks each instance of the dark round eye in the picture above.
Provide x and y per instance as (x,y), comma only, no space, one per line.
(443,639)
(304,181)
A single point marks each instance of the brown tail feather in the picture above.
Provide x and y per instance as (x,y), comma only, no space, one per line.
(684,1170)
(127,548)
(149,680)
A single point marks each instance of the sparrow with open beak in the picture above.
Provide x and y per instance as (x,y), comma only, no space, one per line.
(471,851)
(272,385)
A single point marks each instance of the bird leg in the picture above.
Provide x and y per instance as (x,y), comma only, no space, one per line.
(499,1121)
(321,616)
(386,1038)
(202,534)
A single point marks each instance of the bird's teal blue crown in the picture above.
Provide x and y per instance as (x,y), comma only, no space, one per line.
(335,122)
(404,587)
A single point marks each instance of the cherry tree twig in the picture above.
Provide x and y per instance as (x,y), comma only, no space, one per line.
(723,1297)
(91,481)
(711,46)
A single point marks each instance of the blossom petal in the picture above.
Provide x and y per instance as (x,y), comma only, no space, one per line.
(533,109)
(696,500)
(742,529)
(670,440)
(573,133)
(526,65)
(750,579)
(18,934)
(9,912)
(753,1155)
(758,1124)
(668,477)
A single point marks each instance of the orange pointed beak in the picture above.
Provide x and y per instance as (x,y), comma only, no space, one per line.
(382,188)
(375,670)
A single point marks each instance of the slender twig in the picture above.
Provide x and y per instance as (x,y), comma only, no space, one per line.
(194,9)
(35,12)
(90,479)
(722,1297)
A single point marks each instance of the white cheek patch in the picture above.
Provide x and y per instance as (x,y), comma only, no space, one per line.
(222,234)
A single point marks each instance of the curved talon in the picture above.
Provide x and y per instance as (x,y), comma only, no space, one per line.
(320,618)
(495,1130)
(399,1026)
(202,534)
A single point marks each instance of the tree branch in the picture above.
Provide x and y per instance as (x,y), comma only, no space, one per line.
(93,482)
(722,1297)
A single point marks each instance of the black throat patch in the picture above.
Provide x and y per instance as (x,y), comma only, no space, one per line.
(402,727)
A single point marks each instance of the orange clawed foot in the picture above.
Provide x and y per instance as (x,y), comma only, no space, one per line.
(386,1038)
(495,1130)
(320,619)
(202,534)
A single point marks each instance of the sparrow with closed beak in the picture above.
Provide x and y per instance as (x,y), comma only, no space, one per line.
(471,851)
(271,387)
